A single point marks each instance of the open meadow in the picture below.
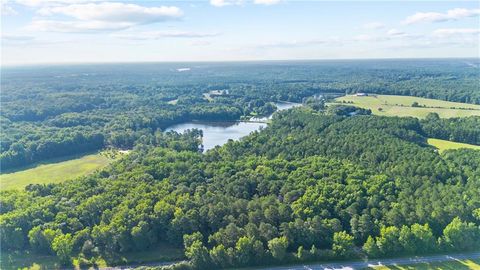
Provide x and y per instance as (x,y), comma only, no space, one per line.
(443,145)
(392,105)
(55,171)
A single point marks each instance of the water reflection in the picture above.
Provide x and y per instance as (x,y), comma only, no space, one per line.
(218,133)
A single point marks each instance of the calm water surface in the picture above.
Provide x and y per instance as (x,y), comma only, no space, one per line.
(218,133)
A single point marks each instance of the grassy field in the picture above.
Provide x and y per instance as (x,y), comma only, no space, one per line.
(32,261)
(402,106)
(443,145)
(451,265)
(27,260)
(55,171)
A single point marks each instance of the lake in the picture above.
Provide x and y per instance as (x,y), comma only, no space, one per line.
(218,133)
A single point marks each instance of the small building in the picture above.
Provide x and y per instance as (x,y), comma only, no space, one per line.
(361,94)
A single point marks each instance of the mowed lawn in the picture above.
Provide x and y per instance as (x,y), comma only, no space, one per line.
(390,105)
(443,145)
(54,172)
(450,265)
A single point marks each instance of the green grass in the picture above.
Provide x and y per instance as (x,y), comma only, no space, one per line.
(390,105)
(27,260)
(443,145)
(55,171)
(449,265)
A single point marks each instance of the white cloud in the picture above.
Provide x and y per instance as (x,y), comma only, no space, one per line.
(266,2)
(115,12)
(373,25)
(223,3)
(104,16)
(76,26)
(396,33)
(391,36)
(43,3)
(15,40)
(6,9)
(153,35)
(451,15)
(448,32)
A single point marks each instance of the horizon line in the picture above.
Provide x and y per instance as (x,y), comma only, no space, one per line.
(229,61)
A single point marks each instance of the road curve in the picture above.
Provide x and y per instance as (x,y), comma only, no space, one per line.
(378,262)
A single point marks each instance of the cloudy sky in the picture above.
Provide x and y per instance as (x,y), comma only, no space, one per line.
(79,31)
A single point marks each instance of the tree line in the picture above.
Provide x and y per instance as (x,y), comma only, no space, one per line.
(72,107)
(310,186)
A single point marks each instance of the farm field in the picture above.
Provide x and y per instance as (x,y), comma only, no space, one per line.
(391,105)
(443,145)
(55,171)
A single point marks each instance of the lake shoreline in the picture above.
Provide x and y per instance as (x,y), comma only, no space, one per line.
(218,133)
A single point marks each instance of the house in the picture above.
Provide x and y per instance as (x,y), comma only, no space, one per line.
(361,94)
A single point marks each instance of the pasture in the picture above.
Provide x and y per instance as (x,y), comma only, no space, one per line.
(390,105)
(443,145)
(56,171)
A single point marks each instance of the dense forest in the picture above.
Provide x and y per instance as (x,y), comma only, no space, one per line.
(310,186)
(465,129)
(54,111)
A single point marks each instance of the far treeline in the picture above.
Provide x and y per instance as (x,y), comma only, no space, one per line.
(310,186)
(65,110)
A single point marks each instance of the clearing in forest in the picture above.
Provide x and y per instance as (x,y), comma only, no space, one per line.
(55,171)
(390,105)
(443,145)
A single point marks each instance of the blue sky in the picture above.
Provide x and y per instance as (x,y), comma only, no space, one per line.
(80,31)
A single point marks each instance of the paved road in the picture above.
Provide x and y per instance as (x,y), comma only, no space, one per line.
(344,265)
(133,266)
(370,263)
